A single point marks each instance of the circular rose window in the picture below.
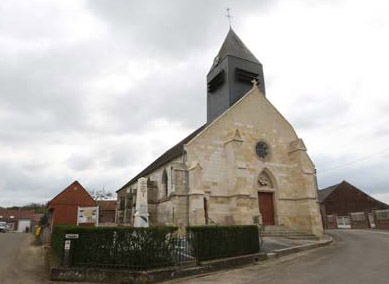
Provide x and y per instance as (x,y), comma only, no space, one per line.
(262,149)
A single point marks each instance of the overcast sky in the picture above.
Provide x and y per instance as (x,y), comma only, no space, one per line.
(95,90)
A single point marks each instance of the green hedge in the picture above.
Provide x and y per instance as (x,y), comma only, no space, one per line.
(212,242)
(58,238)
(118,247)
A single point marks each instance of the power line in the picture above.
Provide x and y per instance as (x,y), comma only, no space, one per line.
(351,163)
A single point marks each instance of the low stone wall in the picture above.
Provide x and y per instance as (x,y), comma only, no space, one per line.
(360,224)
(99,275)
(382,224)
(331,225)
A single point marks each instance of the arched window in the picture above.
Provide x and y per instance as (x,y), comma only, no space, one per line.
(206,211)
(165,183)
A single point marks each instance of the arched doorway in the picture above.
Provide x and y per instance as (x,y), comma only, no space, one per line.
(266,197)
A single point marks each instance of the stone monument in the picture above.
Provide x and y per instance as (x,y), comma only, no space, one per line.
(141,211)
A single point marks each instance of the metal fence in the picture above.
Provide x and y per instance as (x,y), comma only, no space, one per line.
(149,248)
(172,251)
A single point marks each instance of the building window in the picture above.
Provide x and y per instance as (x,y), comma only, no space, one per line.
(382,214)
(262,150)
(122,203)
(164,183)
(206,211)
(358,216)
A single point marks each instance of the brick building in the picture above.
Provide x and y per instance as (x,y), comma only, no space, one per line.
(63,208)
(107,210)
(20,220)
(345,206)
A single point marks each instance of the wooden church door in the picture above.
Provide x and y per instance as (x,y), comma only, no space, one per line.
(266,207)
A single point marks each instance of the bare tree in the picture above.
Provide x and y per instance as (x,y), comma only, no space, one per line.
(101,194)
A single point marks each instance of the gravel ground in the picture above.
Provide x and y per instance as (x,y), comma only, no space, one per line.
(21,262)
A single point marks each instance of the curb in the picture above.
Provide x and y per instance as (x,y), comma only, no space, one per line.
(300,248)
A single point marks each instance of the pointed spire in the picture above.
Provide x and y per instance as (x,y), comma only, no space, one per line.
(233,46)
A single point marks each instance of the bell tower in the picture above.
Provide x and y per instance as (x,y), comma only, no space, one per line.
(231,75)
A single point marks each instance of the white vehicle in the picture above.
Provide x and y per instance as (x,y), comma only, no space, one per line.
(3,227)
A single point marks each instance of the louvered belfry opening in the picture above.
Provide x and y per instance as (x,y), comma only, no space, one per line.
(231,76)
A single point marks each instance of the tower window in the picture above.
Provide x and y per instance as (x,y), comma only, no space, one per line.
(245,76)
(216,82)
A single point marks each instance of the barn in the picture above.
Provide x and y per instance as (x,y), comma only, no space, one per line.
(344,206)
(63,208)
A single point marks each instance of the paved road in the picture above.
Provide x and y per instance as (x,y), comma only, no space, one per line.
(357,257)
(20,262)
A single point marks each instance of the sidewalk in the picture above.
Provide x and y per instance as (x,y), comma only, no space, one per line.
(271,244)
(280,246)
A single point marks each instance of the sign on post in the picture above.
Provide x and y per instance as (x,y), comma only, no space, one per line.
(67,244)
(66,255)
(71,236)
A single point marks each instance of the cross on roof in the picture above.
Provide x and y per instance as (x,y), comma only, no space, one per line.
(229,16)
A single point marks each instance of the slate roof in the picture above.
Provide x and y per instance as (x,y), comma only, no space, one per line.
(323,193)
(174,152)
(233,46)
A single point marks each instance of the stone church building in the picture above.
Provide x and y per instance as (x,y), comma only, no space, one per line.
(246,165)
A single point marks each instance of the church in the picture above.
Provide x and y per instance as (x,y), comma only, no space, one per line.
(245,165)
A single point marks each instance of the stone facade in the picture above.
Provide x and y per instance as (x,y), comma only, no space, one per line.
(224,168)
(221,169)
(166,196)
(247,154)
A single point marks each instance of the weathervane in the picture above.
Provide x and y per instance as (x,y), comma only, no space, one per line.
(229,16)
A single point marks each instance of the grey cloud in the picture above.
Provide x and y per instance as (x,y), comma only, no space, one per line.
(172,28)
(80,162)
(165,97)
(47,91)
(366,175)
(314,111)
(19,181)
